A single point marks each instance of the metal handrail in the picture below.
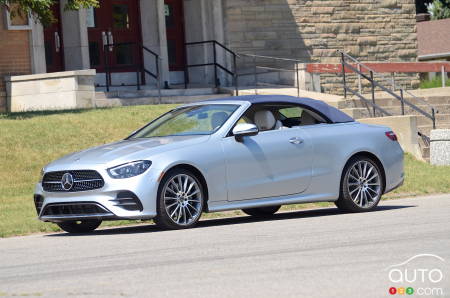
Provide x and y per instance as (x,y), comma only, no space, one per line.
(140,68)
(395,86)
(215,63)
(255,73)
(374,83)
(387,80)
(271,58)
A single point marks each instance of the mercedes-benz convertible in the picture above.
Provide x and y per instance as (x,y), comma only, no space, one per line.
(254,153)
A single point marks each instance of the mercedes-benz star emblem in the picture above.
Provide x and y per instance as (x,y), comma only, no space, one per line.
(67,181)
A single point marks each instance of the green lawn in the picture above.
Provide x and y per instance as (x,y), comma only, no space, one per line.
(28,141)
(436,82)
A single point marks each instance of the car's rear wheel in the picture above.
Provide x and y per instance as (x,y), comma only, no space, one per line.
(81,226)
(361,185)
(262,211)
(180,200)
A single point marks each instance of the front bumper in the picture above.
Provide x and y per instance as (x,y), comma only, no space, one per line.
(110,201)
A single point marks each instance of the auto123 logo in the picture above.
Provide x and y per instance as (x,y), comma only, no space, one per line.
(420,275)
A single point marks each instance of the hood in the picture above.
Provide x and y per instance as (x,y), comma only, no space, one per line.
(125,150)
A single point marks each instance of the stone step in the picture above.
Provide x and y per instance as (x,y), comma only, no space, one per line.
(116,102)
(429,92)
(389,102)
(356,113)
(440,119)
(154,93)
(439,109)
(425,129)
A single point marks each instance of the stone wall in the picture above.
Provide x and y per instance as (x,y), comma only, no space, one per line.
(51,91)
(312,31)
(14,55)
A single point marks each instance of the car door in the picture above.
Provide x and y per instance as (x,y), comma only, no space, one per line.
(272,163)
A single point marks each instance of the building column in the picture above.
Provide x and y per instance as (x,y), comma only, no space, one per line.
(163,41)
(219,34)
(75,38)
(37,48)
(153,29)
(196,28)
(204,21)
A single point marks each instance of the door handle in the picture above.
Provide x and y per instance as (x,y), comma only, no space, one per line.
(110,41)
(105,40)
(295,140)
(57,42)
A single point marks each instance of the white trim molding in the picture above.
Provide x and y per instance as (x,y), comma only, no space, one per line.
(434,56)
(10,26)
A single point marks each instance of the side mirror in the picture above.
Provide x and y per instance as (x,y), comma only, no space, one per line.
(244,129)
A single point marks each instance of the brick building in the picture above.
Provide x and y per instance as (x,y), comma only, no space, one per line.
(15,58)
(308,30)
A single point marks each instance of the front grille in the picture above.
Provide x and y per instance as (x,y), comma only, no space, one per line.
(82,180)
(78,209)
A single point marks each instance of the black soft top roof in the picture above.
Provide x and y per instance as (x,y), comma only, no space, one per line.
(331,113)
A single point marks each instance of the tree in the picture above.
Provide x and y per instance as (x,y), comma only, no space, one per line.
(439,9)
(421,6)
(41,9)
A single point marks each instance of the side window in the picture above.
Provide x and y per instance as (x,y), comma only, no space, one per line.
(275,116)
(297,116)
(291,112)
(264,116)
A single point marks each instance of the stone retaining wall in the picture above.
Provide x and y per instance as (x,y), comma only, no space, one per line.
(51,91)
(370,30)
(405,127)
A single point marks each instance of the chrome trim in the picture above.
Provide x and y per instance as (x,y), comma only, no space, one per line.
(86,180)
(76,217)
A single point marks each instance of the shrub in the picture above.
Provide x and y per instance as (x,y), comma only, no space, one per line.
(436,82)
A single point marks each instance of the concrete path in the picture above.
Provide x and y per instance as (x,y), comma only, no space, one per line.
(313,253)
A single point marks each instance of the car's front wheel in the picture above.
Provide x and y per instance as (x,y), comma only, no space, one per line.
(262,211)
(82,226)
(180,200)
(361,186)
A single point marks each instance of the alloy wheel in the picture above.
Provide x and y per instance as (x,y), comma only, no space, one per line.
(364,184)
(183,199)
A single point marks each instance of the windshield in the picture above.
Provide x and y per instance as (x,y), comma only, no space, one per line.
(192,120)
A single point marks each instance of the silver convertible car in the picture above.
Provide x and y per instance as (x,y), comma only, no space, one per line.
(253,153)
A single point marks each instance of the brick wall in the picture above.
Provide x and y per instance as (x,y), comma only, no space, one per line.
(370,30)
(14,55)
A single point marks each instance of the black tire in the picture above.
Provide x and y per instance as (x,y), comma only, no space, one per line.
(262,211)
(185,200)
(83,226)
(355,194)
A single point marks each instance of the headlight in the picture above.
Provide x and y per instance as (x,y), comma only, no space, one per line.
(130,169)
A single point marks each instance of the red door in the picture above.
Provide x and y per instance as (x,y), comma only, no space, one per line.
(53,42)
(175,34)
(114,22)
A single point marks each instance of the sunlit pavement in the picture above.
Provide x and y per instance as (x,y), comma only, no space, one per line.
(313,253)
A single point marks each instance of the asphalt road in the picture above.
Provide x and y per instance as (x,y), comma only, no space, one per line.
(314,253)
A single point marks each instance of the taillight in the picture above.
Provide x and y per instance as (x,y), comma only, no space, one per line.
(391,135)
